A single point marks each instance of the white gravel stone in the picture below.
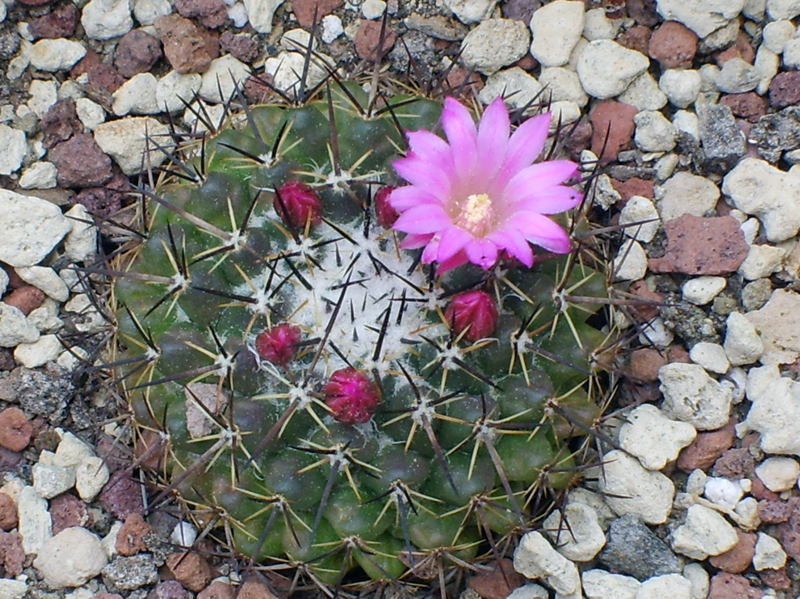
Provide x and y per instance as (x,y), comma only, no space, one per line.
(9,588)
(35,525)
(630,489)
(184,534)
(81,242)
(723,492)
(71,451)
(56,54)
(575,532)
(238,14)
(3,12)
(373,9)
(681,86)
(692,396)
(137,96)
(600,584)
(655,333)
(480,50)
(287,68)
(704,533)
(595,501)
(673,586)
(38,353)
(776,34)
(536,559)
(224,74)
(71,558)
(530,591)
(72,358)
(471,11)
(125,141)
(15,146)
(743,345)
(779,324)
(174,87)
(775,413)
(606,68)
(50,480)
(91,114)
(644,94)
(109,542)
(332,28)
(599,27)
(746,514)
(761,261)
(91,475)
(710,356)
(631,262)
(90,320)
(106,19)
(766,64)
(296,40)
(43,95)
(687,122)
(45,317)
(46,279)
(15,328)
(783,9)
(39,175)
(637,210)
(514,84)
(556,28)
(737,77)
(702,290)
(701,16)
(653,438)
(3,281)
(654,133)
(791,54)
(565,113)
(563,84)
(698,578)
(778,473)
(260,13)
(769,553)
(147,11)
(759,189)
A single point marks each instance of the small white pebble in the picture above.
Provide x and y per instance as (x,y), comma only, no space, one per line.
(723,492)
(778,473)
(184,534)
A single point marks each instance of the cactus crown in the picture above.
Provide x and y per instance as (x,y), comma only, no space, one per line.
(322,395)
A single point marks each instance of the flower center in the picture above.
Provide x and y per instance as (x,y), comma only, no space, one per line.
(475,215)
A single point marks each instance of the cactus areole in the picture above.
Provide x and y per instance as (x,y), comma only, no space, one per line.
(354,356)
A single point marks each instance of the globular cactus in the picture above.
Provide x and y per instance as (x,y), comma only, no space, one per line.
(327,398)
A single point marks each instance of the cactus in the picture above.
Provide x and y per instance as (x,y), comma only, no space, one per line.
(323,397)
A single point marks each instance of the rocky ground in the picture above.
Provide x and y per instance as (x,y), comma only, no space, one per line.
(691,108)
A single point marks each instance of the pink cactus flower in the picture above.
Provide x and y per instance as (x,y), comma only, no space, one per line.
(478,193)
(385,214)
(295,203)
(278,344)
(351,396)
(474,312)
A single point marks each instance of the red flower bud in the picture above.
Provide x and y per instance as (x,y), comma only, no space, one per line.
(278,344)
(351,396)
(295,203)
(474,309)
(384,212)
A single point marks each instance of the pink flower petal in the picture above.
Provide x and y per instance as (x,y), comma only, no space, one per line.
(409,196)
(454,262)
(428,145)
(542,231)
(538,177)
(413,241)
(452,241)
(482,252)
(422,219)
(552,200)
(493,138)
(526,143)
(462,135)
(423,174)
(430,251)
(515,244)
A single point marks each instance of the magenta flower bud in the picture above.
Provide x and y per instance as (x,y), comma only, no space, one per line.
(351,396)
(296,203)
(278,344)
(474,309)
(384,212)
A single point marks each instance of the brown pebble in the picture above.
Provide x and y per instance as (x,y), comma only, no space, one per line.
(305,10)
(60,123)
(497,584)
(15,430)
(645,363)
(122,495)
(130,539)
(634,187)
(760,492)
(741,49)
(612,129)
(12,555)
(773,512)
(188,47)
(702,246)
(136,52)
(81,162)
(8,512)
(67,511)
(673,45)
(217,590)
(171,589)
(749,106)
(636,38)
(26,298)
(255,589)
(648,309)
(735,464)
(241,46)
(789,531)
(732,586)
(785,89)
(368,36)
(738,559)
(707,447)
(211,13)
(190,569)
(60,22)
(776,579)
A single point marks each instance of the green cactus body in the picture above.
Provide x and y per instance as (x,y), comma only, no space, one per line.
(464,433)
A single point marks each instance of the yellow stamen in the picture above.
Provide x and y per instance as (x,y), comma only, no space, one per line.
(475,215)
